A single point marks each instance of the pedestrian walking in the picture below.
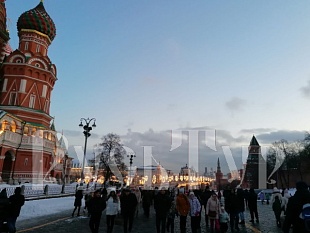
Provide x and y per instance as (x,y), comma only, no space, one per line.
(277,209)
(182,206)
(262,197)
(87,198)
(195,209)
(285,199)
(78,201)
(233,210)
(128,208)
(16,201)
(113,207)
(4,209)
(96,205)
(224,219)
(267,196)
(171,214)
(241,205)
(294,208)
(161,206)
(252,203)
(206,194)
(147,198)
(137,192)
(213,211)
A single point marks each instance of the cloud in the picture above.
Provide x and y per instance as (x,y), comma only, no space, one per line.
(305,91)
(235,104)
(160,145)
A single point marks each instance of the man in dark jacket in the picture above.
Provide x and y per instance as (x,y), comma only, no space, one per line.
(252,203)
(17,200)
(95,207)
(128,208)
(294,208)
(4,208)
(161,205)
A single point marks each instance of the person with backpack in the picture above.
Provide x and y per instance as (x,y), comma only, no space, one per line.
(295,209)
(277,209)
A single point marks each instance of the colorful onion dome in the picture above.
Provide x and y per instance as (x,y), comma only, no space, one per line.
(37,19)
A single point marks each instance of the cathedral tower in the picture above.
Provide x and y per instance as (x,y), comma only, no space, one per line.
(28,75)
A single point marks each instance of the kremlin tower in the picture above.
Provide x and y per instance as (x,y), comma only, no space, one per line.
(30,150)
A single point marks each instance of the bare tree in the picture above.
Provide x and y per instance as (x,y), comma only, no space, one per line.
(112,151)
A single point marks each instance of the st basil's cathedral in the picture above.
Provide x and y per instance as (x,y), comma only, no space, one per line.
(30,150)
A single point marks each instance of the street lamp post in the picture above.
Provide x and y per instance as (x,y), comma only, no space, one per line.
(130,163)
(86,133)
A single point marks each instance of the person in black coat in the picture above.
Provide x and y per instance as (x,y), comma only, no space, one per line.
(252,204)
(128,208)
(294,208)
(232,206)
(161,205)
(241,207)
(78,201)
(4,208)
(17,200)
(147,199)
(95,207)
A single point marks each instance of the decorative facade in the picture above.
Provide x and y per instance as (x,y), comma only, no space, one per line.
(29,147)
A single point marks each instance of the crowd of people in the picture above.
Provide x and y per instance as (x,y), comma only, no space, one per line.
(220,210)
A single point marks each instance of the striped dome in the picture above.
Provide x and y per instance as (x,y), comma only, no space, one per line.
(37,19)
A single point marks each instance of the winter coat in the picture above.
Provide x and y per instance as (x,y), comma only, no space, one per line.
(162,203)
(16,203)
(240,198)
(78,198)
(252,200)
(182,204)
(294,207)
(195,207)
(4,205)
(96,205)
(128,203)
(213,205)
(113,207)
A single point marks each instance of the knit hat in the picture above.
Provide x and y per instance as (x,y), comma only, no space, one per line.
(192,193)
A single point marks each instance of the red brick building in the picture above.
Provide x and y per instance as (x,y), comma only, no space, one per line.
(29,147)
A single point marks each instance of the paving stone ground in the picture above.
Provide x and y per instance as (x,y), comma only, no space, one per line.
(63,223)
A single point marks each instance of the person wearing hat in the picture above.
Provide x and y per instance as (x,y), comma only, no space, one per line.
(195,209)
(96,205)
(128,208)
(294,208)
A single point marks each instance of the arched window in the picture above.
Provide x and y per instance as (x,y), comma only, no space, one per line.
(13,126)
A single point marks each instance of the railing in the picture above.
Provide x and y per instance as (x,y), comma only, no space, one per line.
(26,141)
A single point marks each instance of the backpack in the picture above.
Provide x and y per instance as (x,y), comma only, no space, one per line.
(276,206)
(305,215)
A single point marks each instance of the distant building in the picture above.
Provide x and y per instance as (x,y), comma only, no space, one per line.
(251,176)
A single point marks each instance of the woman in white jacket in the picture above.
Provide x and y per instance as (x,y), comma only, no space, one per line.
(112,209)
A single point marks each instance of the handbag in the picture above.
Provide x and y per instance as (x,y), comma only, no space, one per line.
(212,213)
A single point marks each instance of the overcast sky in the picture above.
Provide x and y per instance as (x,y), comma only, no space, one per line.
(145,68)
